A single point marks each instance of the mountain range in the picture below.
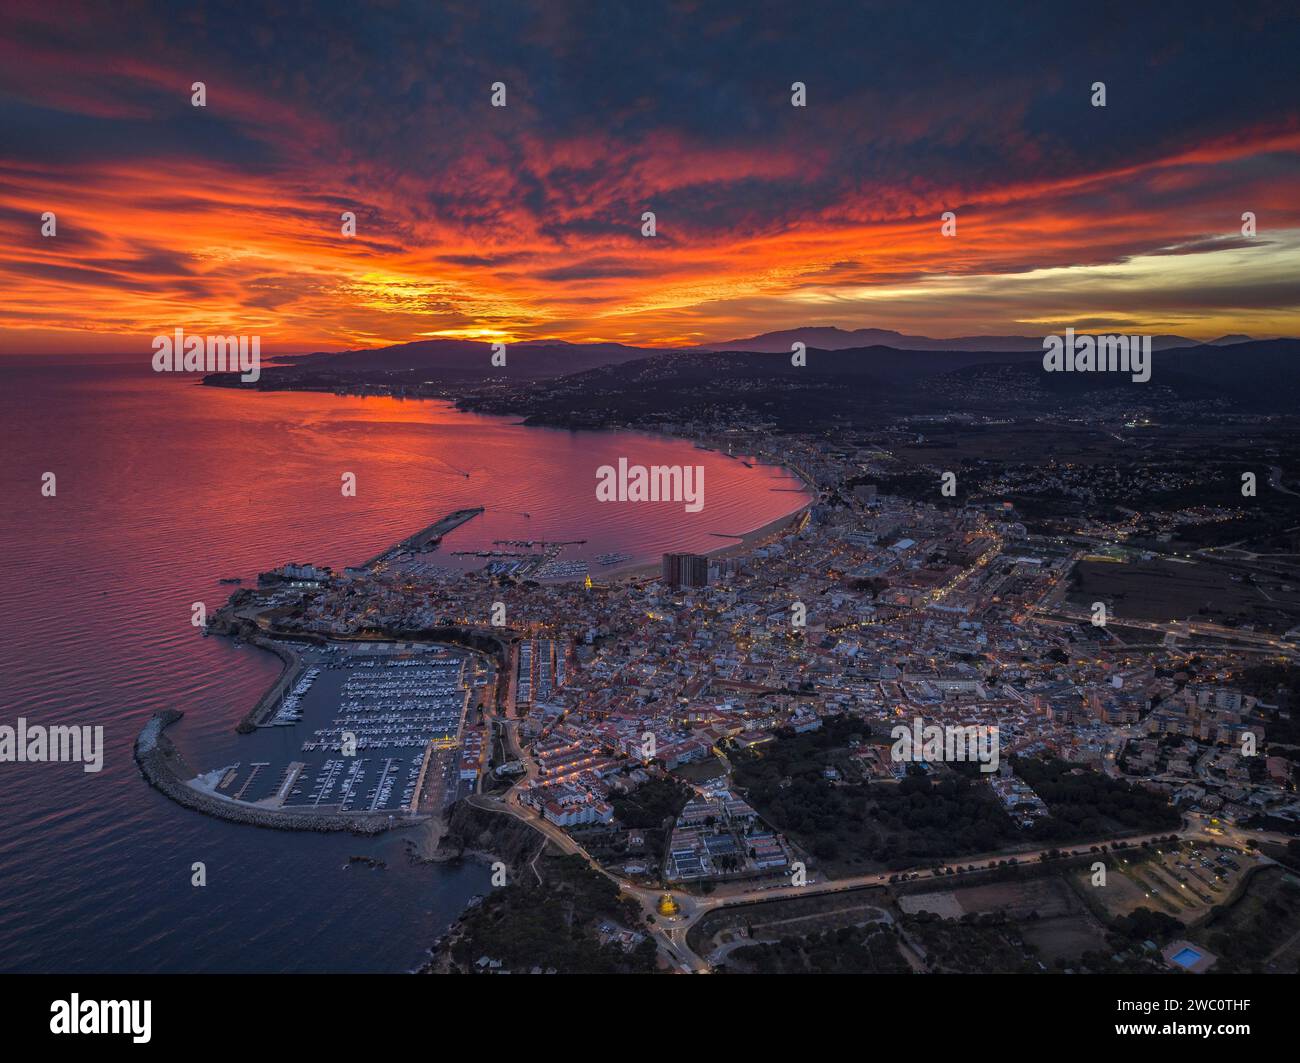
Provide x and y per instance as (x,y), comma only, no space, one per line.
(540,358)
(830,338)
(548,358)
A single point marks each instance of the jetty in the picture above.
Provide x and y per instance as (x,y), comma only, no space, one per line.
(426,538)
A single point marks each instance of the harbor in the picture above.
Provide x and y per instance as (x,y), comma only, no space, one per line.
(543,563)
(378,722)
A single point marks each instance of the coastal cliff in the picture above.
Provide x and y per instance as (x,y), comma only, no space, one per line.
(475,831)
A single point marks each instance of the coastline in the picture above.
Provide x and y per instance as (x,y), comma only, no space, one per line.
(745,541)
(431,839)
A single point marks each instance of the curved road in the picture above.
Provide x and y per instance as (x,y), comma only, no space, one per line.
(670,931)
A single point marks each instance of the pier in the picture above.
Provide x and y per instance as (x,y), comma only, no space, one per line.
(543,543)
(427,538)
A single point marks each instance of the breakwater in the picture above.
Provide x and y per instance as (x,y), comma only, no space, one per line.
(427,538)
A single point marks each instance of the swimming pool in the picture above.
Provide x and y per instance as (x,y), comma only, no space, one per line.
(1186,957)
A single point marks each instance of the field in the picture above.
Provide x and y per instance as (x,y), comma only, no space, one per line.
(1246,912)
(950,444)
(720,931)
(701,771)
(1048,915)
(1168,590)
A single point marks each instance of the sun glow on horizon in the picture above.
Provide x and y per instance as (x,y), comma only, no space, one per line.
(525,223)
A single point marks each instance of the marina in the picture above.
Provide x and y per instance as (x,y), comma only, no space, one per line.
(547,565)
(561,569)
(543,543)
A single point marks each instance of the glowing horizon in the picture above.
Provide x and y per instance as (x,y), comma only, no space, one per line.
(524,222)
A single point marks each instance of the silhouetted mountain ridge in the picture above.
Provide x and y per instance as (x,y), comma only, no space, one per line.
(1253,372)
(831,338)
(534,357)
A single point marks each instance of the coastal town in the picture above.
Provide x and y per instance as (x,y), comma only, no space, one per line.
(664,489)
(634,719)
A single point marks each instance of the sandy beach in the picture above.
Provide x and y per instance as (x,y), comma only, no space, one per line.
(739,544)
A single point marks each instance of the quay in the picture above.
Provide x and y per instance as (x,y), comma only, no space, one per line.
(427,538)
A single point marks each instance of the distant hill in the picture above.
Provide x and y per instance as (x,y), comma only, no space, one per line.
(551,358)
(829,338)
(1260,376)
(539,358)
(848,386)
(1257,374)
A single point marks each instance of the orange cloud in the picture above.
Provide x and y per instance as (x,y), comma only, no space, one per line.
(493,223)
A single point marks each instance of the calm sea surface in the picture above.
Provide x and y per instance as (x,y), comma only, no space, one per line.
(164,487)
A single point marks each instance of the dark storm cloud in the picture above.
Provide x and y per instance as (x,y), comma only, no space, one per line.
(958,97)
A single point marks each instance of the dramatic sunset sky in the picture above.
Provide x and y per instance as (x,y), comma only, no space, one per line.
(525,221)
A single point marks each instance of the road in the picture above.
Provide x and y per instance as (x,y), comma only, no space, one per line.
(1181,629)
(670,931)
